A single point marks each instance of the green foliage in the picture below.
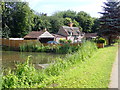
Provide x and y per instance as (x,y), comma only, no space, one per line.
(84,52)
(85,21)
(41,22)
(56,23)
(25,75)
(63,41)
(93,73)
(96,25)
(100,40)
(38,47)
(17,19)
(110,27)
(67,21)
(68,13)
(67,48)
(30,46)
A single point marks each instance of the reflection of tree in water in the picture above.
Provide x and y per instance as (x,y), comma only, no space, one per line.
(10,58)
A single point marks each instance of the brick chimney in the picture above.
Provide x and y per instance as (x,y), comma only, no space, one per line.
(44,29)
(70,24)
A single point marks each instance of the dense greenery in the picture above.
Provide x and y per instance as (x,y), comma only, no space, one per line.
(85,52)
(26,76)
(58,48)
(93,73)
(18,19)
(110,21)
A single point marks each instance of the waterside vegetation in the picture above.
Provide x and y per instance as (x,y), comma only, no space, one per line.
(89,67)
(57,48)
(25,75)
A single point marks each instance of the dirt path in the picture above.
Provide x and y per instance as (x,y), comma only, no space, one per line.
(114,74)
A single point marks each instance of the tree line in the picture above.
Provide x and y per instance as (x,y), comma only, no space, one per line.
(18,19)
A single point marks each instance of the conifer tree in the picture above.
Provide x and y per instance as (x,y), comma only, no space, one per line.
(110,20)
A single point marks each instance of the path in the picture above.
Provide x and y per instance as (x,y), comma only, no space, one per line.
(114,74)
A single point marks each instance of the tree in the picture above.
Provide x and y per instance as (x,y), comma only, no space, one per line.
(67,20)
(18,17)
(63,14)
(55,22)
(96,25)
(41,22)
(110,21)
(85,21)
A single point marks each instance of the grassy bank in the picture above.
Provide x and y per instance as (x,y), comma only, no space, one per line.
(93,73)
(86,68)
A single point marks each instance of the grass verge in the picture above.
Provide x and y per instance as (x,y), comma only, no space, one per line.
(81,69)
(92,73)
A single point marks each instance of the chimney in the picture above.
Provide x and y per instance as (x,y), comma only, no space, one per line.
(44,29)
(70,24)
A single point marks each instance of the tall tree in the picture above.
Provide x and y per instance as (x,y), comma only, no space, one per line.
(41,22)
(18,17)
(69,13)
(110,21)
(85,21)
(55,22)
(96,25)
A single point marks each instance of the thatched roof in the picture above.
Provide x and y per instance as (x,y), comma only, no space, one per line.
(71,30)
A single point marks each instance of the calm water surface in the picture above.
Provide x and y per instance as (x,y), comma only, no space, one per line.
(10,58)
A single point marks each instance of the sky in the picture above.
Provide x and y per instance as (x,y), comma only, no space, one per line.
(92,7)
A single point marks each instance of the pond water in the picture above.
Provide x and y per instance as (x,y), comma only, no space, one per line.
(10,58)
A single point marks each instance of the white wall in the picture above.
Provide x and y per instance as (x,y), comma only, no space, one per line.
(70,38)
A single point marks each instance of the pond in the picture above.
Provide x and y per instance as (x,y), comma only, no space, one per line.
(10,58)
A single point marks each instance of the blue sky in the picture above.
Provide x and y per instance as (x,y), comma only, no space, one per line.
(92,7)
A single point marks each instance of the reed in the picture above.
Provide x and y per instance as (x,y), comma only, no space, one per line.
(37,47)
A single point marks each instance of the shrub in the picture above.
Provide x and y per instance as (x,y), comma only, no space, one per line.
(25,75)
(65,41)
(100,40)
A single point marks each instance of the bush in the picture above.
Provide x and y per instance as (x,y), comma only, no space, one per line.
(25,75)
(100,40)
(65,41)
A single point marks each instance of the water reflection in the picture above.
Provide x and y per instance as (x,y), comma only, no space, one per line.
(9,58)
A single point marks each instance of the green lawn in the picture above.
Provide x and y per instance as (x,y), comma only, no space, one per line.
(92,73)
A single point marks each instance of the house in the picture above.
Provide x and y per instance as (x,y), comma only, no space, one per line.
(65,32)
(71,33)
(58,37)
(42,36)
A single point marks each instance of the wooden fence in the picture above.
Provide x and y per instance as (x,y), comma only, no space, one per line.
(17,43)
(14,43)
